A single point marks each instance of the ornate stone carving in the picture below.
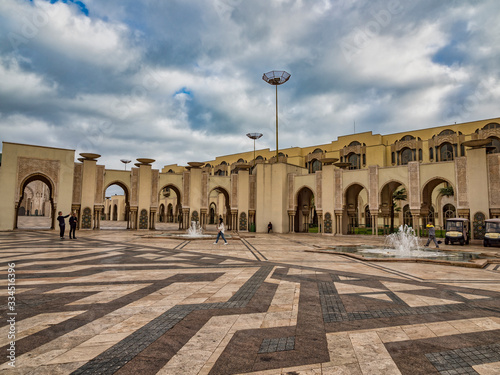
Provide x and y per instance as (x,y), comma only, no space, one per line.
(204,190)
(234,191)
(486,133)
(134,186)
(319,191)
(31,166)
(186,179)
(414,185)
(99,185)
(373,195)
(154,187)
(143,219)
(252,192)
(414,144)
(348,149)
(461,182)
(77,184)
(243,221)
(87,218)
(328,223)
(494,180)
(339,191)
(291,190)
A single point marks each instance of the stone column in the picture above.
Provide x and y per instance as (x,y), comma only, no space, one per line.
(320,222)
(374,225)
(133,218)
(416,222)
(338,221)
(234,220)
(291,221)
(185,218)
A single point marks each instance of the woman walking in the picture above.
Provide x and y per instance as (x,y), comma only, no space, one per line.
(221,229)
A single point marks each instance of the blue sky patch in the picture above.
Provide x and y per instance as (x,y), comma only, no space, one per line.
(81,5)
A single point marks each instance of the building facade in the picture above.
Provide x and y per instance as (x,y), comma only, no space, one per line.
(359,180)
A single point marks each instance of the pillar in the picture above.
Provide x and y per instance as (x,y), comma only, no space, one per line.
(374,225)
(291,221)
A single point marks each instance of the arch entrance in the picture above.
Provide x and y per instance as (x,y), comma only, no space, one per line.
(356,196)
(393,198)
(36,208)
(116,213)
(437,197)
(170,217)
(305,214)
(219,201)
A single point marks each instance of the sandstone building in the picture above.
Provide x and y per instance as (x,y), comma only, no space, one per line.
(332,188)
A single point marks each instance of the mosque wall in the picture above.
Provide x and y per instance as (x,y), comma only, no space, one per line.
(244,190)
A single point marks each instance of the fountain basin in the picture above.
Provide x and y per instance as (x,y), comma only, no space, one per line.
(186,236)
(376,253)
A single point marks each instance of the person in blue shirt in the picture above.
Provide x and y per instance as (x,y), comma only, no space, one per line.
(62,224)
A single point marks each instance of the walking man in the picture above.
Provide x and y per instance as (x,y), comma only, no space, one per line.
(432,235)
(72,225)
(62,224)
(221,232)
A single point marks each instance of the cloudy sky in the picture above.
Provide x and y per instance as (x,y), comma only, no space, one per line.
(181,80)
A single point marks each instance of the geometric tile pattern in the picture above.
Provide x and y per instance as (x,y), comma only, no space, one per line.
(460,361)
(113,302)
(277,345)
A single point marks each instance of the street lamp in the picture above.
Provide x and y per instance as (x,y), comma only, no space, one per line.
(125,161)
(254,136)
(276,78)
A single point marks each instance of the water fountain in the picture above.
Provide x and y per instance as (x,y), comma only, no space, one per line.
(404,244)
(195,230)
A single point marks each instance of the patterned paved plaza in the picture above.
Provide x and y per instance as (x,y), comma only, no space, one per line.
(116,302)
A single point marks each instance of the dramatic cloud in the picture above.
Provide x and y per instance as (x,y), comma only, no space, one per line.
(180,80)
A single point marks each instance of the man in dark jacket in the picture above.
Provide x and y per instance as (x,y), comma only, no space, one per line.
(62,224)
(72,225)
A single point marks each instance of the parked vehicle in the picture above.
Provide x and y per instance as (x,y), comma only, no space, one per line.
(457,230)
(492,235)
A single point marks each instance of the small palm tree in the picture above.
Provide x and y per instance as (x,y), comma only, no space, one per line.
(447,191)
(397,196)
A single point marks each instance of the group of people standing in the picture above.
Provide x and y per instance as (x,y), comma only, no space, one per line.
(73,220)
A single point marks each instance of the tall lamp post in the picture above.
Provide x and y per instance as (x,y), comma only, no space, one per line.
(125,161)
(276,78)
(254,136)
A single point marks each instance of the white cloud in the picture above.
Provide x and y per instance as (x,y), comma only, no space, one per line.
(180,81)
